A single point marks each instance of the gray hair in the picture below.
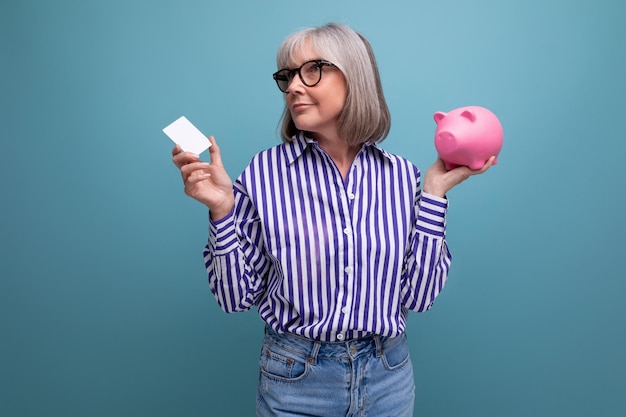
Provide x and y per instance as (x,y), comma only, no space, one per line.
(365,117)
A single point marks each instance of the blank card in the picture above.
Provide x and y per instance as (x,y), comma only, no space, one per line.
(185,134)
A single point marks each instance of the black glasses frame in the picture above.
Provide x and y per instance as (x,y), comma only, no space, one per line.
(285,75)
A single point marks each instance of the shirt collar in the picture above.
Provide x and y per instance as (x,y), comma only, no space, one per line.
(300,142)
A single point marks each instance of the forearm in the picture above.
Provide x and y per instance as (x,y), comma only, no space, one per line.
(229,262)
(428,259)
(426,273)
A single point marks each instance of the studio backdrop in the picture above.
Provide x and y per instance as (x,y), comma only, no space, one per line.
(105,308)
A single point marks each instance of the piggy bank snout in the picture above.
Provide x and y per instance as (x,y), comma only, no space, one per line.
(445,142)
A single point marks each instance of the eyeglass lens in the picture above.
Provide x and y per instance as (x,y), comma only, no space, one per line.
(310,74)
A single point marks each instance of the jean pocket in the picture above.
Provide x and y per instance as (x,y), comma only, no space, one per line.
(395,353)
(282,365)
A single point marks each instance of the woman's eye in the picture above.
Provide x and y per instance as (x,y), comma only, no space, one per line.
(314,68)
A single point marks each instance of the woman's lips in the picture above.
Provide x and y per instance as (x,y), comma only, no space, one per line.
(298,107)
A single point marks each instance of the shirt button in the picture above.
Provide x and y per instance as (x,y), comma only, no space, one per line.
(344,310)
(348,269)
(347,230)
(351,196)
(339,336)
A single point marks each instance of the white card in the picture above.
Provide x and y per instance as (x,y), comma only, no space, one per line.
(182,132)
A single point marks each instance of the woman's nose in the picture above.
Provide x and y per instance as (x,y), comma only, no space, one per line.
(295,84)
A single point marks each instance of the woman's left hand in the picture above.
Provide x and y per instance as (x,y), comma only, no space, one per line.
(438,180)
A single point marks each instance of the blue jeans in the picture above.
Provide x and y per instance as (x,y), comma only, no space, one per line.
(369,377)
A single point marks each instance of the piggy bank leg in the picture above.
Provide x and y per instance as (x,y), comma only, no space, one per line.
(479,163)
(450,165)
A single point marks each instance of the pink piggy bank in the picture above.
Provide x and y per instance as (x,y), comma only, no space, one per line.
(467,136)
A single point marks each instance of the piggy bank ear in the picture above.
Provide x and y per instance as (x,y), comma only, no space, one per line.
(469,115)
(438,116)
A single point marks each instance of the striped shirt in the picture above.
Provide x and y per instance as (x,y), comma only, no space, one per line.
(326,258)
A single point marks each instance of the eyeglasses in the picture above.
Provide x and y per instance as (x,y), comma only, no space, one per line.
(310,74)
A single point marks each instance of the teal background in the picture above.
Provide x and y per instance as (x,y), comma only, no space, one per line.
(104,305)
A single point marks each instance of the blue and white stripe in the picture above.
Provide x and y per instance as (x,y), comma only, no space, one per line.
(325,258)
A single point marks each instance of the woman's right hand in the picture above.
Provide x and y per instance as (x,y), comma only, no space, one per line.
(206,182)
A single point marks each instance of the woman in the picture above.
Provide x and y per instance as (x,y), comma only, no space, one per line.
(332,238)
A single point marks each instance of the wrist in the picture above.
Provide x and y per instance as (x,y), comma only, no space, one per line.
(218,213)
(435,191)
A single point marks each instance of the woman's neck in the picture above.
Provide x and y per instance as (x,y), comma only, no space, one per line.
(340,152)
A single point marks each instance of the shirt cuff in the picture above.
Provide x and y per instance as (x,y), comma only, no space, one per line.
(432,215)
(223,235)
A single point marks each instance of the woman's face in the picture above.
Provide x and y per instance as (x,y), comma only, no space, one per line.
(316,109)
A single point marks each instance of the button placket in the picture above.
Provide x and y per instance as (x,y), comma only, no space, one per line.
(348,197)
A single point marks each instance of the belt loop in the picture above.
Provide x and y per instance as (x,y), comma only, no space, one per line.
(312,359)
(379,345)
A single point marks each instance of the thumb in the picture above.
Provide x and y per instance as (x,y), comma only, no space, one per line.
(458,175)
(214,152)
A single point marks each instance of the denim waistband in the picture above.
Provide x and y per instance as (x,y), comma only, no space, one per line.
(313,349)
